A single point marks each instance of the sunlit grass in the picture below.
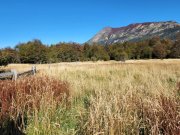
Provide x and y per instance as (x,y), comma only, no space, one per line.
(140,97)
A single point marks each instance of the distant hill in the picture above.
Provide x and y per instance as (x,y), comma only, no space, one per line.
(136,32)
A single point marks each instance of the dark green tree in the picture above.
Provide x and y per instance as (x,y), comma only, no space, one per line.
(32,52)
(52,54)
(159,50)
(175,50)
(69,52)
(97,52)
(143,50)
(3,60)
(8,55)
(117,52)
(154,41)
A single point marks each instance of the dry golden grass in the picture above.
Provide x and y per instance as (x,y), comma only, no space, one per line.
(24,67)
(109,98)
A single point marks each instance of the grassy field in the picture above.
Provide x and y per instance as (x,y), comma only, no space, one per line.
(108,98)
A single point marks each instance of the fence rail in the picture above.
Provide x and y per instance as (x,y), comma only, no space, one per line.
(6,75)
(14,75)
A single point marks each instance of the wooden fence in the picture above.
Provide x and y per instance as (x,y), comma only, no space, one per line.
(14,75)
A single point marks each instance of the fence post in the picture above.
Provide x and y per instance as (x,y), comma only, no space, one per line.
(15,75)
(34,70)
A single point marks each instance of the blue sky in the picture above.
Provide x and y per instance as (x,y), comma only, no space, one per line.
(53,21)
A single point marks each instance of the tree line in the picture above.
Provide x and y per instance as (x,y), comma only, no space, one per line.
(36,52)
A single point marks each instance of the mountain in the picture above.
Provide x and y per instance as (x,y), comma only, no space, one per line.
(136,32)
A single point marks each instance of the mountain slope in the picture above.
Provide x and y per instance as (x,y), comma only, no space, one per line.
(136,32)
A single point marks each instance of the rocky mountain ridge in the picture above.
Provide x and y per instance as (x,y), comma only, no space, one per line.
(136,32)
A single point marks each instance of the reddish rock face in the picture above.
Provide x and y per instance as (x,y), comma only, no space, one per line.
(136,32)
